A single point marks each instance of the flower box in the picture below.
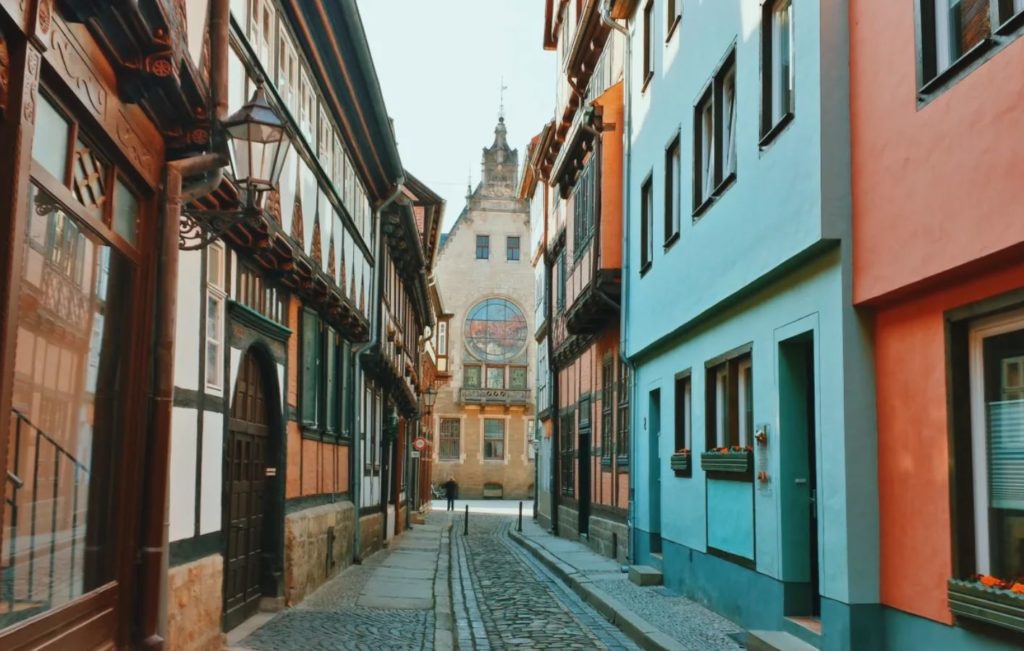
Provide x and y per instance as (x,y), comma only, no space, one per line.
(680,463)
(997,606)
(732,460)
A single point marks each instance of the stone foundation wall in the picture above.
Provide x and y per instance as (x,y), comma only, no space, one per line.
(609,537)
(372,527)
(306,565)
(568,519)
(195,605)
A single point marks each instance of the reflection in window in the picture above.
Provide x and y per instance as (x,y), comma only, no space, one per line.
(495,330)
(65,420)
(50,143)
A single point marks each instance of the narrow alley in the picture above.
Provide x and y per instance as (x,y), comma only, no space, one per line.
(439,588)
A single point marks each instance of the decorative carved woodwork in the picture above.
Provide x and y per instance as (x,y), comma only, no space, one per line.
(296,232)
(314,248)
(332,269)
(5,74)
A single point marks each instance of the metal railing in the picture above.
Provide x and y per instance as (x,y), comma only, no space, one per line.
(22,588)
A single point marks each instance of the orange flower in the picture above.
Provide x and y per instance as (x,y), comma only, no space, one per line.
(990,581)
(1018,588)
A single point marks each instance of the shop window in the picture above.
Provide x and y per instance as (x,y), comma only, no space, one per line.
(215,316)
(730,403)
(494,439)
(449,439)
(988,445)
(672,189)
(778,63)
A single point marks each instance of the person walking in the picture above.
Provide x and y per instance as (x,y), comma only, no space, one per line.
(450,489)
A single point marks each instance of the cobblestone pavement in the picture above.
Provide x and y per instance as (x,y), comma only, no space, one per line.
(503,599)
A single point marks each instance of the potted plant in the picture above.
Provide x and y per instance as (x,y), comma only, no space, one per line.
(737,459)
(989,599)
(680,462)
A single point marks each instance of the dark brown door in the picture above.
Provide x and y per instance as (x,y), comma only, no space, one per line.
(245,479)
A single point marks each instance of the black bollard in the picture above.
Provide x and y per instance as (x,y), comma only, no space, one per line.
(519,528)
(465,528)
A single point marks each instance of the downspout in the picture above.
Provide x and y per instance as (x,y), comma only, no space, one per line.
(154,551)
(556,487)
(357,439)
(624,309)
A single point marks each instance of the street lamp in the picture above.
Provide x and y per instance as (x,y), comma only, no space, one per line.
(258,147)
(430,397)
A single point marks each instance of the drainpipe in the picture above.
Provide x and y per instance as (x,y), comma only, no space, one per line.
(624,310)
(556,487)
(357,439)
(154,552)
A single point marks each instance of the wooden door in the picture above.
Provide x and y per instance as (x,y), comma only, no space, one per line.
(245,480)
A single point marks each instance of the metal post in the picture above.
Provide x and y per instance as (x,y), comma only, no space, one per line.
(465,527)
(520,526)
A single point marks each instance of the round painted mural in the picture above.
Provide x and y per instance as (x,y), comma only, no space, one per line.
(495,330)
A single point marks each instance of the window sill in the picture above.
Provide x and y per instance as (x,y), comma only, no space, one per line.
(672,239)
(1011,24)
(995,606)
(725,184)
(703,206)
(673,27)
(771,134)
(645,267)
(934,86)
(647,81)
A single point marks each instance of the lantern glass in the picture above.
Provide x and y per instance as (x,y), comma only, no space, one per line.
(429,397)
(258,145)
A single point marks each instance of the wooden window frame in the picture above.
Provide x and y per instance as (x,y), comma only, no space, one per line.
(513,254)
(711,98)
(485,247)
(215,293)
(683,397)
(771,126)
(607,410)
(1006,26)
(567,453)
(723,426)
(442,438)
(488,441)
(623,423)
(648,58)
(673,16)
(647,224)
(673,190)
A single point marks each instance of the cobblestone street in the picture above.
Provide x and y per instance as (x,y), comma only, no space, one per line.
(439,588)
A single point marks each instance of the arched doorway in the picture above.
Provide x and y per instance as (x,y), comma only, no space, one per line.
(248,493)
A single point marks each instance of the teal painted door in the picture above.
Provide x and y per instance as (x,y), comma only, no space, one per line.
(654,473)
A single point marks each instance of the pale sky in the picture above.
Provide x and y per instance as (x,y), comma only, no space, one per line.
(440,64)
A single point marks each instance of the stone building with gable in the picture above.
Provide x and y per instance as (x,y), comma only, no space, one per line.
(483,416)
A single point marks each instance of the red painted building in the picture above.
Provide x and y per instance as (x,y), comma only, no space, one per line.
(937,115)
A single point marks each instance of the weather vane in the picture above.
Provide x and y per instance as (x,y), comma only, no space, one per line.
(501,104)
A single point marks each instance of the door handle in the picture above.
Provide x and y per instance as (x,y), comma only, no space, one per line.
(800,481)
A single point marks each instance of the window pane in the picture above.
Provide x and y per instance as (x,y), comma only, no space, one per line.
(449,449)
(310,367)
(782,59)
(126,210)
(65,423)
(707,148)
(517,377)
(959,26)
(729,123)
(471,377)
(496,377)
(1004,417)
(494,438)
(50,142)
(331,387)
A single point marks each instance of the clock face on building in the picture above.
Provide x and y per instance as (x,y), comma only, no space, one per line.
(495,330)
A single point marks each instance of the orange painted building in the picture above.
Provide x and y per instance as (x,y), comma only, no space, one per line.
(937,122)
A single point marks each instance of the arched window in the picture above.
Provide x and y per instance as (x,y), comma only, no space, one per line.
(495,330)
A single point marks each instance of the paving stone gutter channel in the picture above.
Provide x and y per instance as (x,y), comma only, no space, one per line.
(443,620)
(645,634)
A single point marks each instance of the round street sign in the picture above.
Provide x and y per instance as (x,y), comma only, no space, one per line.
(419,443)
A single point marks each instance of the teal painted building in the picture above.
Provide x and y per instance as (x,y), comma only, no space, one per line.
(739,321)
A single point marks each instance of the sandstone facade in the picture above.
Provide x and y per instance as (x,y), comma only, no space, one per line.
(317,545)
(195,606)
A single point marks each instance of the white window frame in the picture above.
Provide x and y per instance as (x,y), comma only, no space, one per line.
(977,334)
(707,149)
(215,296)
(743,398)
(729,123)
(721,405)
(442,338)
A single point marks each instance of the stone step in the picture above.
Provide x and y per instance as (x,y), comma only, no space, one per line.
(645,575)
(776,641)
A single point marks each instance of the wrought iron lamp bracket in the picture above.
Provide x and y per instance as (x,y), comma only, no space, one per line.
(198,228)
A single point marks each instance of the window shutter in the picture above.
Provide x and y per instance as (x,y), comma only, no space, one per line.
(1006,454)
